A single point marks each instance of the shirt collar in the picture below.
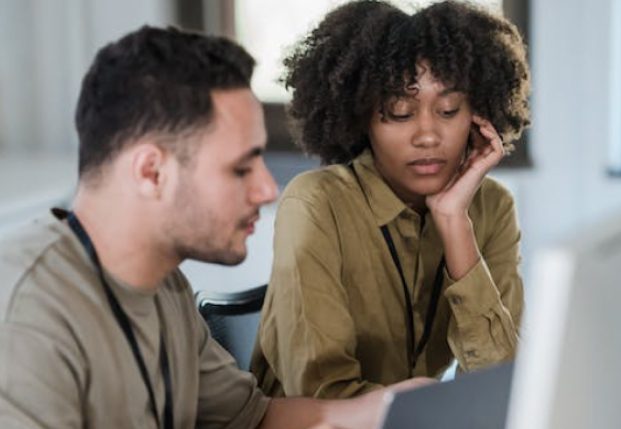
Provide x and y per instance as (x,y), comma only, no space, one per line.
(384,204)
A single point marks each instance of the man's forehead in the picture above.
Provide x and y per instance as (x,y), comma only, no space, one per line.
(237,110)
(237,126)
(231,103)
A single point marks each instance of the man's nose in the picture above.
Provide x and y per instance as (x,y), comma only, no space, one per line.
(265,189)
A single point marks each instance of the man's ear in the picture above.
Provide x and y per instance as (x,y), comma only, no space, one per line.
(148,169)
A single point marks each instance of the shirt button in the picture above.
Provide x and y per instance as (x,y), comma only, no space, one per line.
(456,300)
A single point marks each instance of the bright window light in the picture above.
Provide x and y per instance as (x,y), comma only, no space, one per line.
(268,28)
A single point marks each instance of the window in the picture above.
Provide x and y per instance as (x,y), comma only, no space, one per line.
(267,28)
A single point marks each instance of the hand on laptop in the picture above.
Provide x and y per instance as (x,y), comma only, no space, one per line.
(411,383)
(370,408)
(361,412)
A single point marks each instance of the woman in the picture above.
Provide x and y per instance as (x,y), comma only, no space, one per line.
(399,255)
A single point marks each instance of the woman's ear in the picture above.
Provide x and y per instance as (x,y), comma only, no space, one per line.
(475,138)
(470,141)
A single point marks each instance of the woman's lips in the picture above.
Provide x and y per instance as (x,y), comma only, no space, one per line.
(427,166)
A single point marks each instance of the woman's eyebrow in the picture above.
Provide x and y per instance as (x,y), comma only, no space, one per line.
(448,91)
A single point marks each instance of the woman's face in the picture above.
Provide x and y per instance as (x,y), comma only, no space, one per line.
(419,139)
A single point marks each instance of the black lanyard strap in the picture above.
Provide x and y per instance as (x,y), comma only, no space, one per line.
(411,358)
(125,324)
(408,301)
(431,310)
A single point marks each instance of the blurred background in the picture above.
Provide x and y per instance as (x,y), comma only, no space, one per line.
(566,173)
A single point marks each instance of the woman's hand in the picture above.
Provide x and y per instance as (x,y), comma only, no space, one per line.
(449,207)
(486,152)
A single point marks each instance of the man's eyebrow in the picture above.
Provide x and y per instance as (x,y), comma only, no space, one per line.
(252,153)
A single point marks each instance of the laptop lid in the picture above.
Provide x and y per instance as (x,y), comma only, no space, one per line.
(477,400)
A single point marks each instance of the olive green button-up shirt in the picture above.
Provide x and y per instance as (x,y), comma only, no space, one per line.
(334,320)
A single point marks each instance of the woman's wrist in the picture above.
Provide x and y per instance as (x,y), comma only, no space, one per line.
(460,247)
(449,224)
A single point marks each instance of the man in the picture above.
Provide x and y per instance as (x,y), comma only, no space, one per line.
(98,327)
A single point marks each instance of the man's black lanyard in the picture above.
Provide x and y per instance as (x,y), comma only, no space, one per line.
(125,325)
(431,310)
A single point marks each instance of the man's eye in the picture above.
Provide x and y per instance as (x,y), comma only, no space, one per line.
(241,172)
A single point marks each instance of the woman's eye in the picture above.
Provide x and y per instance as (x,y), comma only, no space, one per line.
(449,113)
(400,113)
(398,109)
(399,116)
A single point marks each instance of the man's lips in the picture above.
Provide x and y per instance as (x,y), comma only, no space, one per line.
(249,225)
(427,166)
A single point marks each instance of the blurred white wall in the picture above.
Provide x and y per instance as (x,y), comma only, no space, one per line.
(568,187)
(45,48)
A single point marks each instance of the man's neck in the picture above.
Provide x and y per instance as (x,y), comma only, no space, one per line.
(123,244)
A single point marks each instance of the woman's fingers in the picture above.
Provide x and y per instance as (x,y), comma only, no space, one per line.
(489,148)
(488,131)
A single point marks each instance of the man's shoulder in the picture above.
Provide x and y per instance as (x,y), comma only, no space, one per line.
(22,247)
(28,251)
(177,283)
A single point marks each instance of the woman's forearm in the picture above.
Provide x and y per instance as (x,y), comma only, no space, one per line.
(461,251)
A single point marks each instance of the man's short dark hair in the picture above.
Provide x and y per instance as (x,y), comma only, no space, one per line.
(153,80)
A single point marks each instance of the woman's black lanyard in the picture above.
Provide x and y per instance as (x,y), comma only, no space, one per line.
(431,310)
(411,358)
(125,325)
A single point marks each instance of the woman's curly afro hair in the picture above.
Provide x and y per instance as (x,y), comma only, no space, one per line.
(362,53)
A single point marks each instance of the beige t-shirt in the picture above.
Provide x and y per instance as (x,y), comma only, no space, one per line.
(65,363)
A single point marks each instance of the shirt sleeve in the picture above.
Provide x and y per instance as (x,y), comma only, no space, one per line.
(487,302)
(228,397)
(40,379)
(307,334)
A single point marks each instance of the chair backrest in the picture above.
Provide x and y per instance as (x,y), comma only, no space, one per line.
(233,319)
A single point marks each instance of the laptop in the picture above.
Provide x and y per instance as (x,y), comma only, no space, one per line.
(477,400)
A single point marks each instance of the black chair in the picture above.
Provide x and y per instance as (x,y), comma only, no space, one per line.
(233,319)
